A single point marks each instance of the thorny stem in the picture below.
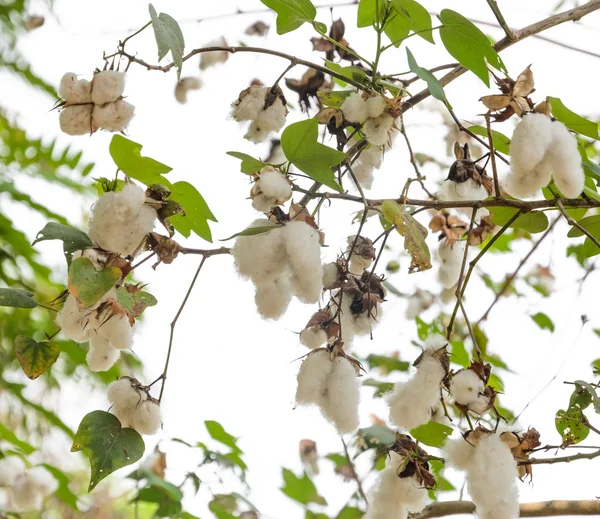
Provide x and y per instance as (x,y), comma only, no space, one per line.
(510,278)
(492,152)
(174,323)
(354,474)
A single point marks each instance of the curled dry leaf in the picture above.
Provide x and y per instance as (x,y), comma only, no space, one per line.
(165,248)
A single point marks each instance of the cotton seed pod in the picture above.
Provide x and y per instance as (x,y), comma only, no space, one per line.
(355,108)
(342,396)
(101,356)
(107,86)
(271,188)
(147,417)
(249,103)
(377,130)
(126,392)
(309,455)
(112,322)
(312,378)
(185,85)
(113,116)
(76,120)
(73,90)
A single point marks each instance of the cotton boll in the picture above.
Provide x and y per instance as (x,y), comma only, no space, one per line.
(184,85)
(312,378)
(76,120)
(530,141)
(358,264)
(24,494)
(256,132)
(377,129)
(147,418)
(434,342)
(73,321)
(11,467)
(263,203)
(107,86)
(358,324)
(74,91)
(313,337)
(330,275)
(273,297)
(375,106)
(101,356)
(459,452)
(566,162)
(261,257)
(302,244)
(364,174)
(522,184)
(355,108)
(385,502)
(42,481)
(272,183)
(122,394)
(124,414)
(465,387)
(272,119)
(451,257)
(116,329)
(113,116)
(212,58)
(343,396)
(412,494)
(460,191)
(250,104)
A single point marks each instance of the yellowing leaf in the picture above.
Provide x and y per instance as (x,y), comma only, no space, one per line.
(35,357)
(87,285)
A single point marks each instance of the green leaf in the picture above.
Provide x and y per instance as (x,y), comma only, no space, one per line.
(590,224)
(339,459)
(64,492)
(367,12)
(351,72)
(533,222)
(172,491)
(501,141)
(432,433)
(419,18)
(128,158)
(17,298)
(218,433)
(543,321)
(35,357)
(387,364)
(350,512)
(253,231)
(375,437)
(468,45)
(301,489)
(397,29)
(459,354)
(197,212)
(10,437)
(249,164)
(571,426)
(382,388)
(591,390)
(88,285)
(291,14)
(333,98)
(434,86)
(108,445)
(135,302)
(424,329)
(73,239)
(414,235)
(302,148)
(313,515)
(168,37)
(573,121)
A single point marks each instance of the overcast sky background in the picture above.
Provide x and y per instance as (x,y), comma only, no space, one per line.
(228,364)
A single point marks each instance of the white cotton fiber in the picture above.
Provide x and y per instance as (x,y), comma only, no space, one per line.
(418,302)
(434,342)
(184,86)
(273,297)
(147,417)
(343,396)
(73,90)
(256,132)
(313,337)
(377,130)
(273,117)
(451,257)
(466,387)
(312,378)
(107,86)
(355,108)
(212,58)
(115,328)
(73,321)
(461,191)
(522,184)
(566,161)
(358,264)
(272,183)
(302,243)
(101,356)
(122,394)
(124,414)
(113,116)
(76,119)
(530,141)
(11,467)
(252,102)
(458,452)
(364,174)
(42,481)
(375,106)
(330,275)
(358,324)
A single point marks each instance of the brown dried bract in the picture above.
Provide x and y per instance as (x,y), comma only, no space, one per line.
(521,446)
(514,97)
(165,248)
(478,235)
(451,227)
(258,28)
(307,86)
(465,168)
(414,460)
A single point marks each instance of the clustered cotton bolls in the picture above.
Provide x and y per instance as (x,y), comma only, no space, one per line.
(133,405)
(214,57)
(412,402)
(185,85)
(420,301)
(470,390)
(271,188)
(265,107)
(541,150)
(320,329)
(363,254)
(121,220)
(374,112)
(309,455)
(490,470)
(331,383)
(89,106)
(282,262)
(27,487)
(451,257)
(370,159)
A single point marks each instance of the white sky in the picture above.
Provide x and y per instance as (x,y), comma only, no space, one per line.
(228,364)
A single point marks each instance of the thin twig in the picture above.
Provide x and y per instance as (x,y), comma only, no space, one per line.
(500,17)
(413,159)
(492,153)
(575,224)
(354,474)
(207,253)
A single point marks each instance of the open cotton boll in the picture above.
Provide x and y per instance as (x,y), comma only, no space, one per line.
(459,191)
(147,417)
(364,174)
(184,86)
(343,396)
(377,130)
(73,321)
(312,378)
(330,275)
(358,264)
(250,103)
(375,106)
(273,297)
(466,387)
(358,324)
(273,117)
(566,162)
(451,257)
(124,414)
(385,502)
(272,183)
(11,467)
(491,478)
(263,203)
(355,108)
(434,342)
(458,452)
(76,119)
(113,116)
(122,394)
(213,57)
(101,356)
(313,337)
(73,90)
(261,257)
(524,183)
(116,329)
(107,86)
(256,132)
(530,141)
(42,481)
(303,248)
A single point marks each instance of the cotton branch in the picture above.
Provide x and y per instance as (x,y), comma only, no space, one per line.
(500,17)
(541,509)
